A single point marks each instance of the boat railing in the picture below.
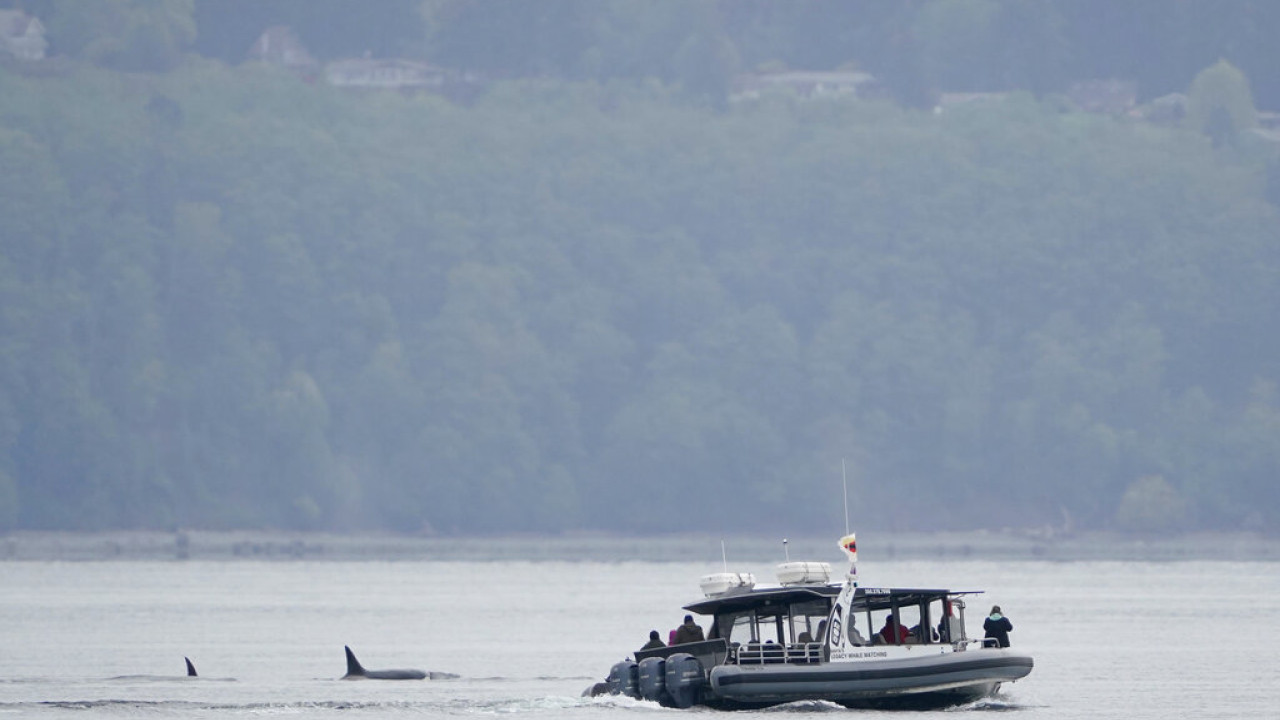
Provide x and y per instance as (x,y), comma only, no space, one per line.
(709,652)
(775,654)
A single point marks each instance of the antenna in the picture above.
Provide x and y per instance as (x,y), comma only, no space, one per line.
(844,479)
(724,555)
(785,554)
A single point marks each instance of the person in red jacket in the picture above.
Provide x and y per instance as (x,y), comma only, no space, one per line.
(893,629)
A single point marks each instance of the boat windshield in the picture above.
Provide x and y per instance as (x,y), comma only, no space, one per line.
(797,622)
(809,620)
(910,617)
(947,615)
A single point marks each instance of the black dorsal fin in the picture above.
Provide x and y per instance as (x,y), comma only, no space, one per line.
(354,668)
(191,669)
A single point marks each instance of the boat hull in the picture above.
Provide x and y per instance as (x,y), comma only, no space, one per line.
(917,683)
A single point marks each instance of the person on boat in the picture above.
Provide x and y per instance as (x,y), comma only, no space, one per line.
(947,626)
(891,629)
(688,632)
(654,641)
(918,632)
(855,637)
(997,626)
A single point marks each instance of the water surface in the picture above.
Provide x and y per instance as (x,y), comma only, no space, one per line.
(106,639)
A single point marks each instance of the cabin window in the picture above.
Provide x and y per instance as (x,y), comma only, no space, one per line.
(917,624)
(859,627)
(769,628)
(899,632)
(808,620)
(737,627)
(763,627)
(944,615)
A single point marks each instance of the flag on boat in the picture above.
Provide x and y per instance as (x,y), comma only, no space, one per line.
(849,544)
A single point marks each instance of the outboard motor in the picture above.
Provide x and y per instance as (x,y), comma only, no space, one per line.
(624,679)
(652,674)
(684,680)
(596,690)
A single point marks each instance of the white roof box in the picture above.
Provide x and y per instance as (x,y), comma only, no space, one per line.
(804,573)
(721,583)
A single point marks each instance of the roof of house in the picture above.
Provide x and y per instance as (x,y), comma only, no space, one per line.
(278,44)
(14,23)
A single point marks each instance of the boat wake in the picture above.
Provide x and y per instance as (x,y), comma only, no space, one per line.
(996,704)
(806,706)
(546,705)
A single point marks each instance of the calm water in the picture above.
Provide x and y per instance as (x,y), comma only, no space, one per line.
(106,639)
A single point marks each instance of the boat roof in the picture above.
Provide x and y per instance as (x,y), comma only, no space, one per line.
(774,596)
(761,597)
(885,598)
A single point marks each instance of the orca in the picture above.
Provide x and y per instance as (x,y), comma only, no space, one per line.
(356,671)
(191,673)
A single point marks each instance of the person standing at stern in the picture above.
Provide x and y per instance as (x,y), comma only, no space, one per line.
(997,626)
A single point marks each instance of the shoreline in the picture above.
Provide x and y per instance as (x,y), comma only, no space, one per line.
(286,546)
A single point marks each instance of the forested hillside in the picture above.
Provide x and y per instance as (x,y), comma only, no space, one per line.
(233,298)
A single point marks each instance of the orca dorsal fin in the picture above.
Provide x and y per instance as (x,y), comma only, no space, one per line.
(191,669)
(354,668)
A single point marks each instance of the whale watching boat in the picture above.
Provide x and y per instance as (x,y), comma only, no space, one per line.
(807,638)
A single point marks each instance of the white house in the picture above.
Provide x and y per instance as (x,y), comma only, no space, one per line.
(21,35)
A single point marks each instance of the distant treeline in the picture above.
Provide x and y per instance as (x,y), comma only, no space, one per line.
(230,298)
(917,48)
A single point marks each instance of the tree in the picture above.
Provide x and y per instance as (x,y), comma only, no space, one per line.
(1151,504)
(1219,103)
(957,44)
(131,35)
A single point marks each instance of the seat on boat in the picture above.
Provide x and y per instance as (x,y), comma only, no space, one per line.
(756,653)
(804,653)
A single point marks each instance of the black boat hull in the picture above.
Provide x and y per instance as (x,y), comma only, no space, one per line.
(928,682)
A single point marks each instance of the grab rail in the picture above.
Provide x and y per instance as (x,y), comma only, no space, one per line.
(772,654)
(709,652)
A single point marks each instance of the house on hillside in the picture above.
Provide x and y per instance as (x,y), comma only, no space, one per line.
(1268,120)
(1169,110)
(278,45)
(21,35)
(386,74)
(805,84)
(1268,126)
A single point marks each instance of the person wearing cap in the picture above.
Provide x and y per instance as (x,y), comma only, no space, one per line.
(688,632)
(893,633)
(997,626)
(654,641)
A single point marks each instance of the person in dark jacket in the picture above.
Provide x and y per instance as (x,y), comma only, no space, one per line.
(949,629)
(654,641)
(998,626)
(688,632)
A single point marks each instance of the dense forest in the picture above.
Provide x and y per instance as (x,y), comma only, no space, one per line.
(602,294)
